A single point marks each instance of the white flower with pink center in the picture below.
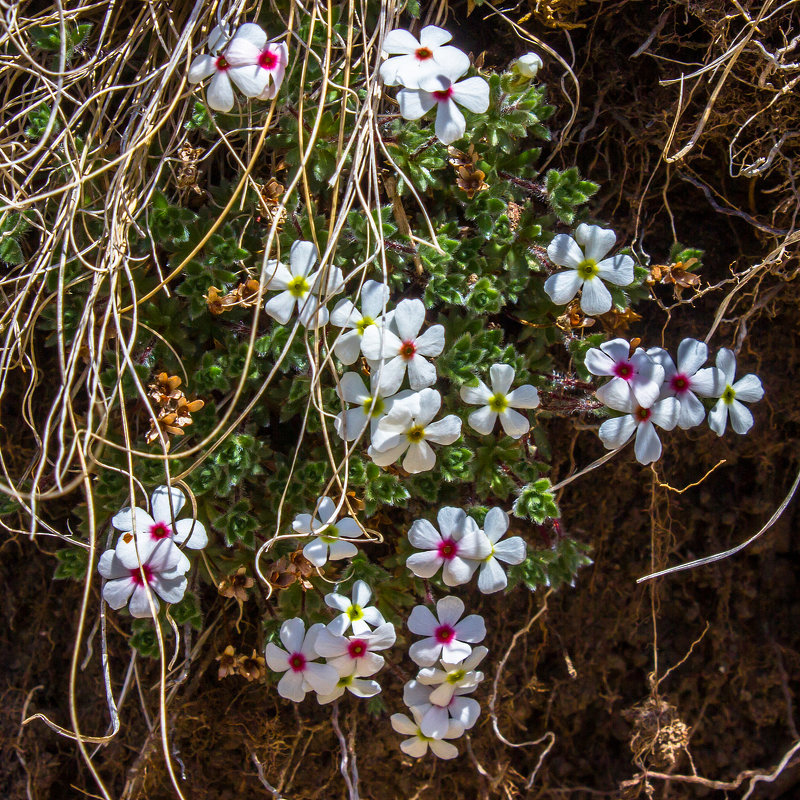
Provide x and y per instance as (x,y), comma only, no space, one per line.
(492,577)
(458,546)
(401,347)
(436,718)
(448,681)
(299,662)
(733,396)
(687,380)
(263,62)
(328,544)
(447,636)
(639,371)
(636,418)
(358,654)
(443,93)
(587,269)
(355,611)
(416,59)
(417,745)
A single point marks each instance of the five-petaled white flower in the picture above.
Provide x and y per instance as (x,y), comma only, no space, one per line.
(492,577)
(298,661)
(356,655)
(409,427)
(499,402)
(443,92)
(528,65)
(745,390)
(445,637)
(459,547)
(638,371)
(370,406)
(355,611)
(374,297)
(448,679)
(299,286)
(687,380)
(615,432)
(417,59)
(588,268)
(401,347)
(360,687)
(328,544)
(435,717)
(265,61)
(418,744)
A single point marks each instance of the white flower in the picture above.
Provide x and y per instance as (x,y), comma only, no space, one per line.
(409,426)
(298,661)
(401,347)
(528,65)
(360,687)
(356,655)
(442,92)
(446,637)
(138,562)
(165,503)
(227,67)
(747,389)
(355,611)
(374,296)
(500,402)
(264,63)
(436,718)
(370,406)
(687,380)
(587,268)
(639,372)
(492,577)
(418,59)
(299,286)
(328,545)
(459,547)
(418,744)
(615,432)
(452,677)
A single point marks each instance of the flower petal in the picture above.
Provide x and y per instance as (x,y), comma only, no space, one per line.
(420,458)
(525,396)
(726,361)
(201,68)
(596,241)
(302,258)
(514,423)
(473,94)
(422,622)
(475,395)
(432,36)
(647,447)
(595,297)
(450,123)
(136,520)
(292,686)
(666,412)
(564,251)
(718,418)
(616,394)
(316,551)
(421,373)
(117,592)
(563,286)
(414,103)
(495,524)
(280,307)
(692,411)
(399,41)
(192,532)
(442,749)
(220,93)
(615,432)
(423,535)
(470,629)
(293,632)
(340,549)
(140,604)
(482,420)
(691,356)
(748,389)
(617,270)
(457,571)
(431,343)
(445,430)
(709,382)
(425,652)
(512,550)
(741,418)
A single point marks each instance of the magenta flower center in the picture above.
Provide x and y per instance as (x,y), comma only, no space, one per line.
(297,662)
(680,383)
(268,60)
(444,634)
(136,575)
(407,350)
(357,648)
(443,95)
(448,549)
(624,370)
(643,414)
(423,53)
(160,531)
(221,64)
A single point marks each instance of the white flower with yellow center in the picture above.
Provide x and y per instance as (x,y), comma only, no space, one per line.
(500,402)
(492,577)
(451,678)
(733,397)
(417,745)
(360,687)
(436,718)
(329,532)
(370,406)
(355,611)
(345,314)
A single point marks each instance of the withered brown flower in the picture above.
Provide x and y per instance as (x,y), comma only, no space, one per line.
(251,667)
(165,388)
(290,569)
(236,585)
(227,662)
(573,317)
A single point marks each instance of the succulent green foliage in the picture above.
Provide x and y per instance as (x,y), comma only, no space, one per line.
(72,563)
(554,567)
(49,38)
(566,190)
(144,638)
(12,229)
(38,120)
(187,612)
(536,502)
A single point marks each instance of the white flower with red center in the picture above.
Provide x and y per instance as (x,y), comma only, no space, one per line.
(616,431)
(263,62)
(300,287)
(436,718)
(447,681)
(500,402)
(588,268)
(687,380)
(492,577)
(447,636)
(329,532)
(354,610)
(409,427)
(458,546)
(165,504)
(418,743)
(141,565)
(358,654)
(299,662)
(401,347)
(414,60)
(345,314)
(228,67)
(442,92)
(639,371)
(370,406)
(528,65)
(733,396)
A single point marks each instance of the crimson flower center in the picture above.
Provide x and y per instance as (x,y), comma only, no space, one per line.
(624,370)
(357,648)
(643,414)
(136,575)
(267,60)
(297,662)
(423,53)
(443,95)
(408,349)
(448,549)
(680,383)
(221,64)
(160,531)
(444,634)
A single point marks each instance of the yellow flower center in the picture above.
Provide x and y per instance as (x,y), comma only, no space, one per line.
(456,675)
(498,403)
(728,395)
(363,324)
(374,406)
(588,268)
(354,613)
(415,434)
(331,534)
(298,287)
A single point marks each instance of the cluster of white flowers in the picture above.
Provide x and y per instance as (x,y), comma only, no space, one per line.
(650,390)
(429,69)
(245,60)
(147,559)
(436,698)
(350,660)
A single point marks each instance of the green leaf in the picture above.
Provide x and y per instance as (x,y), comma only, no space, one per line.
(187,611)
(536,502)
(72,563)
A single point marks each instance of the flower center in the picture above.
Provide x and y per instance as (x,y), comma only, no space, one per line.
(443,95)
(498,403)
(374,406)
(267,60)
(448,549)
(415,434)
(444,634)
(297,662)
(407,350)
(160,531)
(728,395)
(624,370)
(331,534)
(490,556)
(588,268)
(357,648)
(345,680)
(136,575)
(680,383)
(363,324)
(221,64)
(423,53)
(456,675)
(354,613)
(298,287)
(642,414)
